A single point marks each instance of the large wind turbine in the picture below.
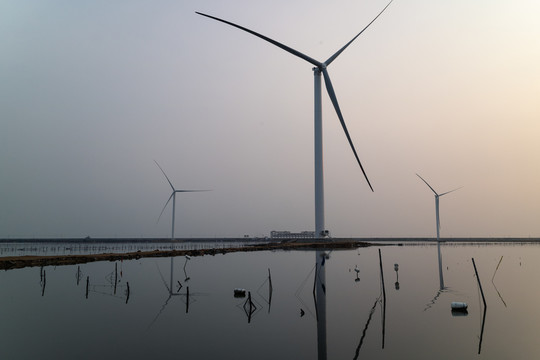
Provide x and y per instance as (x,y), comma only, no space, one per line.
(320,68)
(438,224)
(173,197)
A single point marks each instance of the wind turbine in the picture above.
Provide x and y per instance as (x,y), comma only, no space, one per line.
(173,197)
(320,68)
(438,224)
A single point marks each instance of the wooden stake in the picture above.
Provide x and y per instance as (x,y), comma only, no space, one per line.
(479,283)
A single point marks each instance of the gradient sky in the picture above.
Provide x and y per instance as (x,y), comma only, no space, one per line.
(91,92)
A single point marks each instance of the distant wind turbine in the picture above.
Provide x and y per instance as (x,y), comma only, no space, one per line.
(437,196)
(438,224)
(173,197)
(320,68)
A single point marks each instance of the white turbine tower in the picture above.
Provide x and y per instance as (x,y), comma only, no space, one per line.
(173,197)
(438,224)
(320,68)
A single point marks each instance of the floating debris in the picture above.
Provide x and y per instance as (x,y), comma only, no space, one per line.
(458,305)
(238,292)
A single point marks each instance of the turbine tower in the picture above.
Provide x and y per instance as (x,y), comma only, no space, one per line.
(173,197)
(438,224)
(320,68)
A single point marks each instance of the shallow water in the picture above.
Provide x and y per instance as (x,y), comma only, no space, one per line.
(45,314)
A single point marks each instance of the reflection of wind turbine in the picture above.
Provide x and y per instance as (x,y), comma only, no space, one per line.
(319,293)
(320,68)
(438,224)
(170,291)
(173,197)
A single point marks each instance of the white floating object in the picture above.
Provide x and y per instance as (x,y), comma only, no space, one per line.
(458,305)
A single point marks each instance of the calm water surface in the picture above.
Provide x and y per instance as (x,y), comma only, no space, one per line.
(313,305)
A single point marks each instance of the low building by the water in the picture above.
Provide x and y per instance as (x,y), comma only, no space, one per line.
(291,235)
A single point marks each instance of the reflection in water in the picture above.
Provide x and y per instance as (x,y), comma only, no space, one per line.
(384,298)
(78,275)
(492,281)
(110,288)
(320,302)
(364,332)
(249,307)
(441,279)
(434,300)
(485,307)
(301,287)
(396,269)
(380,299)
(186,277)
(170,291)
(43,281)
(342,321)
(268,300)
(357,270)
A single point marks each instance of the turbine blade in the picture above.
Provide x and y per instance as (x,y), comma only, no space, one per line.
(167,203)
(278,44)
(428,185)
(332,94)
(448,192)
(170,183)
(333,57)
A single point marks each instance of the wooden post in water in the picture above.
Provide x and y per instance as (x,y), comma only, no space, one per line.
(270,281)
(43,283)
(127,297)
(250,306)
(479,283)
(116,276)
(384,298)
(187,299)
(485,306)
(87,283)
(270,290)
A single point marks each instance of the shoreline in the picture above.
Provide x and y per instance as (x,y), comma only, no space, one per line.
(89,240)
(19,262)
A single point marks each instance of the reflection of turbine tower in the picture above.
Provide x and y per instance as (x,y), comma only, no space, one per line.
(438,225)
(170,290)
(320,302)
(319,69)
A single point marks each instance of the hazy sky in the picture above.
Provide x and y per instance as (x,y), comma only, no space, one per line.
(91,92)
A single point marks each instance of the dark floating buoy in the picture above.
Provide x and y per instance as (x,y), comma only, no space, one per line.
(239,293)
